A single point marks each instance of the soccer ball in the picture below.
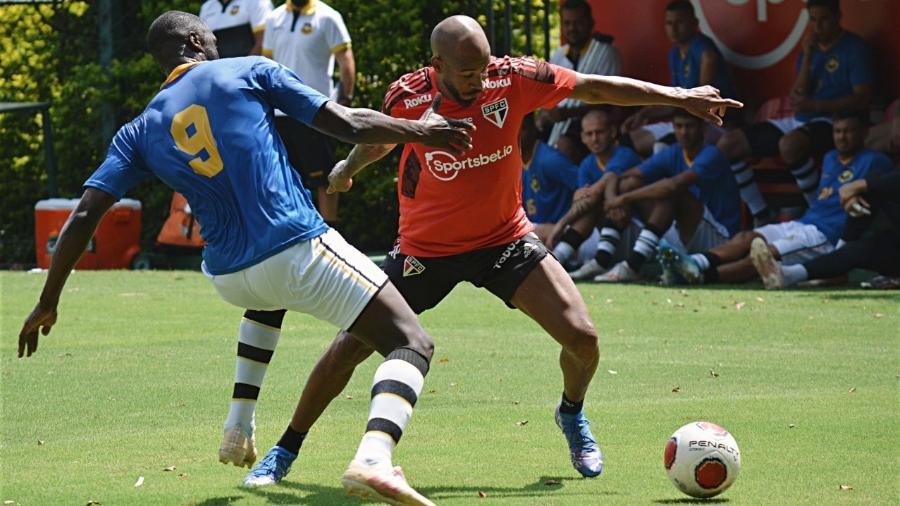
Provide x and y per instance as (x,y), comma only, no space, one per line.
(702,459)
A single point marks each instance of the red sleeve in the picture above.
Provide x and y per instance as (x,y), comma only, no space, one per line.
(542,85)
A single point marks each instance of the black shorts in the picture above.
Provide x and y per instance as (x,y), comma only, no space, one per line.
(310,152)
(424,282)
(764,137)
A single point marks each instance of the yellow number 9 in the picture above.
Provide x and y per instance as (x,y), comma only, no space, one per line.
(192,134)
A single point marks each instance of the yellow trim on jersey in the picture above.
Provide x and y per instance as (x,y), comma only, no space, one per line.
(268,53)
(260,325)
(690,161)
(394,395)
(332,259)
(306,11)
(340,47)
(259,28)
(177,71)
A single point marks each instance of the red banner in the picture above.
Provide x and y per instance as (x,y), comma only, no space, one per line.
(759,38)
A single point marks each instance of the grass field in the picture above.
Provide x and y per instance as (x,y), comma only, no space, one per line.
(137,374)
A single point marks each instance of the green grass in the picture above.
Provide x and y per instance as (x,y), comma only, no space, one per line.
(137,374)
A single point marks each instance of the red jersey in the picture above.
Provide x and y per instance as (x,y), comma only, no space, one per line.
(452,204)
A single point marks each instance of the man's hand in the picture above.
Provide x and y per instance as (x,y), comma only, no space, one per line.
(583,193)
(633,122)
(706,103)
(339,180)
(441,132)
(809,42)
(617,202)
(851,199)
(42,318)
(801,103)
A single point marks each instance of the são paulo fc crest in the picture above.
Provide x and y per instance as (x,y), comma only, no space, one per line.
(412,267)
(496,112)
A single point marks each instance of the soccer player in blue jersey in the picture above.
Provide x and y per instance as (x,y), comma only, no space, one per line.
(693,60)
(549,179)
(596,178)
(209,134)
(871,239)
(834,74)
(812,235)
(688,187)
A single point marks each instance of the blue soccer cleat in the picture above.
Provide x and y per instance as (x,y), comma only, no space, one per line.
(583,449)
(271,469)
(678,266)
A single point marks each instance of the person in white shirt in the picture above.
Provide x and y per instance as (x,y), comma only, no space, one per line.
(586,52)
(237,24)
(308,36)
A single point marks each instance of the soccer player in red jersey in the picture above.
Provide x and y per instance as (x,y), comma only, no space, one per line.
(461,216)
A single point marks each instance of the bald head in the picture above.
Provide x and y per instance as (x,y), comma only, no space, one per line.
(459,39)
(177,37)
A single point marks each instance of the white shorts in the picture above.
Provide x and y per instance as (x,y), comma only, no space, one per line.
(709,234)
(324,277)
(790,123)
(796,242)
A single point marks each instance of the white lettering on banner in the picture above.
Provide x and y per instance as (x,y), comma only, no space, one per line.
(755,62)
(499,83)
(445,167)
(413,102)
(762,14)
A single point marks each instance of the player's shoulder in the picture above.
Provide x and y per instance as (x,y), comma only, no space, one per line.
(712,155)
(876,159)
(409,91)
(519,67)
(852,42)
(702,42)
(624,152)
(325,10)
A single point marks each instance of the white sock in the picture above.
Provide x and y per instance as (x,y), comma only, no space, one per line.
(395,389)
(701,260)
(563,252)
(746,182)
(256,343)
(794,274)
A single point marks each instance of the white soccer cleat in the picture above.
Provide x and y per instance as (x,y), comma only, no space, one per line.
(588,270)
(768,268)
(381,484)
(619,273)
(238,447)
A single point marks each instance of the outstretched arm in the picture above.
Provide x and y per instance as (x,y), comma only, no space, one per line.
(73,240)
(703,101)
(365,126)
(341,177)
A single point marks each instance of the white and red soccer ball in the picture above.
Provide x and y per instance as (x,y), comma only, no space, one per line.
(702,459)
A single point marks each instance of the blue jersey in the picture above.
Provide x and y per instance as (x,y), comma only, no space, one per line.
(547,185)
(591,170)
(685,69)
(209,135)
(826,212)
(716,188)
(834,73)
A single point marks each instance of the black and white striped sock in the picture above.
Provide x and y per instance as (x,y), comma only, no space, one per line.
(750,194)
(257,337)
(807,179)
(644,248)
(395,389)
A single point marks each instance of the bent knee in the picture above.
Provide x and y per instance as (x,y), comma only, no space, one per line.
(582,340)
(794,147)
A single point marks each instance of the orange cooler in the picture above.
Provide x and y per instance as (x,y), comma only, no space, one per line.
(114,245)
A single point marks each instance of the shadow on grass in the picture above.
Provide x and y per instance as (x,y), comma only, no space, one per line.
(219,501)
(306,493)
(691,500)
